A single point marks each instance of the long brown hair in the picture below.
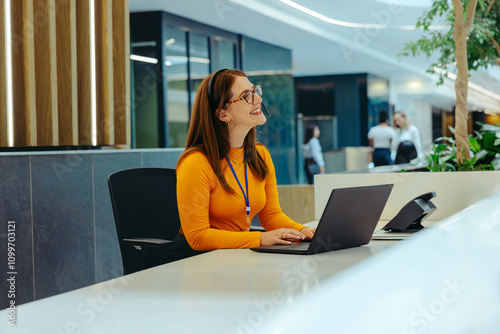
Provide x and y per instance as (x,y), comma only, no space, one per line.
(209,135)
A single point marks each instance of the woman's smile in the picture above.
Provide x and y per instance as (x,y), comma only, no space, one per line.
(257,111)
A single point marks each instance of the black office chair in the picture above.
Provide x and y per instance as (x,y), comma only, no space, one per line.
(144,204)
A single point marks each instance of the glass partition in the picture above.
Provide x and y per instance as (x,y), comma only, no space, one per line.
(176,88)
(223,54)
(145,109)
(199,60)
(270,66)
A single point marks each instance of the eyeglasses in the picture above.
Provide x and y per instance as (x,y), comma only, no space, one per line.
(249,96)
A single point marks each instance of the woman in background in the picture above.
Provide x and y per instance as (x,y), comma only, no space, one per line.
(313,158)
(380,138)
(224,177)
(408,139)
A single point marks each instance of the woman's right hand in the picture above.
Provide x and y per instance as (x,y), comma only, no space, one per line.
(281,236)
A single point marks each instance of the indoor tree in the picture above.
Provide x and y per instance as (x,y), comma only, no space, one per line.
(470,41)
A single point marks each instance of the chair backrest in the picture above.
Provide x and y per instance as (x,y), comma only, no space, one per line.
(144,202)
(406,152)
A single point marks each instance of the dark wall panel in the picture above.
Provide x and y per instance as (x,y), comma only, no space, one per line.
(15,206)
(161,159)
(347,108)
(349,98)
(108,258)
(63,227)
(65,230)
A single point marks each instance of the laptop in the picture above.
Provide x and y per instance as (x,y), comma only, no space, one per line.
(349,220)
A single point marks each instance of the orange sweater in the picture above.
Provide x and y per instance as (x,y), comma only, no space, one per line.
(212,218)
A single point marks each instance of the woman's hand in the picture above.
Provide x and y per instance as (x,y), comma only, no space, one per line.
(308,232)
(281,236)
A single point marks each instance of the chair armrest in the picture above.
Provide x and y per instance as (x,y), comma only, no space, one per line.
(146,242)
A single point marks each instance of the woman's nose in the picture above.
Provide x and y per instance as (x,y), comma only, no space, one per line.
(257,99)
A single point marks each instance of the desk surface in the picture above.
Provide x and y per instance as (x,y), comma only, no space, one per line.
(224,291)
(444,279)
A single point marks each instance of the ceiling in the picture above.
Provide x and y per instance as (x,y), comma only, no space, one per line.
(351,37)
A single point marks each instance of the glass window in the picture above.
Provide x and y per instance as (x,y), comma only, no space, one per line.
(176,88)
(223,54)
(199,61)
(271,67)
(145,108)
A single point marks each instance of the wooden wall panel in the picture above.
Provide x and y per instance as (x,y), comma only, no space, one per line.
(4,139)
(52,73)
(83,72)
(45,72)
(104,71)
(67,84)
(297,202)
(23,78)
(121,71)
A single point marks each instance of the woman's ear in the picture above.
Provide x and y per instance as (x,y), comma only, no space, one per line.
(223,116)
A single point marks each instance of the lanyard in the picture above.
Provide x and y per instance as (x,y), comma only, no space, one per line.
(245,195)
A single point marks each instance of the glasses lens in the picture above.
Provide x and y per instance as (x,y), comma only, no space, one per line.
(249,97)
(258,90)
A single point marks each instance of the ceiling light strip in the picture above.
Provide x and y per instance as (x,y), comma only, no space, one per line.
(144,59)
(352,24)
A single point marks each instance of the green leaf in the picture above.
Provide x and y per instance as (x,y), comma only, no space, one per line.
(474,145)
(440,148)
(488,141)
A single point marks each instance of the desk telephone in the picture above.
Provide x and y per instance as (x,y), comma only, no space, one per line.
(410,217)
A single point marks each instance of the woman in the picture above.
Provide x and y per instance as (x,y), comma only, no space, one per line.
(408,139)
(380,138)
(224,177)
(313,158)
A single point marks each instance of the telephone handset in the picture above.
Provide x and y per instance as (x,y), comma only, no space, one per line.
(410,217)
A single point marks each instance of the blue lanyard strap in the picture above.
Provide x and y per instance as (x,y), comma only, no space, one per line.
(245,195)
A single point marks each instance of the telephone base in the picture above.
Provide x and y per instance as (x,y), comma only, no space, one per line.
(415,227)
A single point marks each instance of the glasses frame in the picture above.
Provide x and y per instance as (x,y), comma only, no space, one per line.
(253,91)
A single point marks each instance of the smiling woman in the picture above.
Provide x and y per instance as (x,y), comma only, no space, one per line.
(225,177)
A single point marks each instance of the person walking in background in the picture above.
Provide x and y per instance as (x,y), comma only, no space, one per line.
(380,137)
(408,144)
(313,158)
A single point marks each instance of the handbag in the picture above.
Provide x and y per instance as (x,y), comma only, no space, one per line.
(313,168)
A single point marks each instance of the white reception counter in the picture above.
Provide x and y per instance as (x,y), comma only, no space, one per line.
(445,279)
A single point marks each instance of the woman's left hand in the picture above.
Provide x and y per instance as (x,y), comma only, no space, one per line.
(308,232)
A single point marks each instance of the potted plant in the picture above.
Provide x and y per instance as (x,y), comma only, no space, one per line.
(484,146)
